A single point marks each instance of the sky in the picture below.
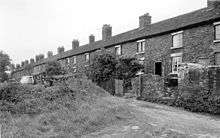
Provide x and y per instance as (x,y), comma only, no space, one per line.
(31,27)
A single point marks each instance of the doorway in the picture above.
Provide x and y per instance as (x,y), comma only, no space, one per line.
(158,68)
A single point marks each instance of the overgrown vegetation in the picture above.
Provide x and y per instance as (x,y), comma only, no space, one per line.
(72,109)
(192,93)
(53,68)
(4,66)
(106,66)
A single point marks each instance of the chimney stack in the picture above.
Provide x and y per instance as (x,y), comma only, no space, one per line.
(22,64)
(106,32)
(37,58)
(213,3)
(144,20)
(75,44)
(26,62)
(32,61)
(18,66)
(91,39)
(40,57)
(49,54)
(60,50)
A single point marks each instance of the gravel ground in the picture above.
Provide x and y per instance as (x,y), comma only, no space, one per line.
(156,121)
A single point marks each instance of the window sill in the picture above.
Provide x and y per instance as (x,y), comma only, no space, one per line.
(140,53)
(176,47)
(216,41)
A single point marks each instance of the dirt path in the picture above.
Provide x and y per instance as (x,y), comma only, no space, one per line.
(153,120)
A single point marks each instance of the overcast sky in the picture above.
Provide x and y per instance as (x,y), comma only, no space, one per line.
(30,27)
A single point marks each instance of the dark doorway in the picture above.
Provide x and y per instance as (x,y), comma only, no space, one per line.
(158,68)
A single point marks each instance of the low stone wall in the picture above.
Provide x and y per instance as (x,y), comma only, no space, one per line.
(201,79)
(148,86)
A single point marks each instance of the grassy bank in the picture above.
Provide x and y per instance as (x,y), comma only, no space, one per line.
(60,111)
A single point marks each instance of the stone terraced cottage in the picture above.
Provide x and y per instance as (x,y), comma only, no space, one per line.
(193,37)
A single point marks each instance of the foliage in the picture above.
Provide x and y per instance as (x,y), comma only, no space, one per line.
(68,110)
(106,67)
(127,68)
(53,68)
(4,65)
(192,93)
(102,67)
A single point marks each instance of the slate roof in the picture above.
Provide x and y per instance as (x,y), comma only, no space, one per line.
(205,15)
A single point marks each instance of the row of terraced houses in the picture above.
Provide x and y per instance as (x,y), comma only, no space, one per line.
(192,37)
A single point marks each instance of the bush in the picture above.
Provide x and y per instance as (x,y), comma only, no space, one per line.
(10,92)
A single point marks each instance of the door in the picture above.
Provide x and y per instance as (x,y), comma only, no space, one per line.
(158,68)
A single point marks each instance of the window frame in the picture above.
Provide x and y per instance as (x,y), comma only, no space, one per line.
(74,69)
(67,60)
(217,24)
(141,46)
(118,47)
(176,34)
(173,56)
(74,59)
(87,59)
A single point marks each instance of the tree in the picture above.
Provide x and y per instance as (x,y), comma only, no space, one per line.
(4,66)
(102,67)
(127,68)
(106,67)
(53,68)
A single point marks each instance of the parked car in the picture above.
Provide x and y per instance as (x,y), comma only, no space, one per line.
(27,80)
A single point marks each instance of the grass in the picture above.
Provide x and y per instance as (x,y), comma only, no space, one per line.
(70,110)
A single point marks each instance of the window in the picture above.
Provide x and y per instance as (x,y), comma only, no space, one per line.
(74,59)
(176,61)
(217,58)
(118,50)
(177,40)
(67,61)
(141,46)
(74,70)
(217,32)
(87,57)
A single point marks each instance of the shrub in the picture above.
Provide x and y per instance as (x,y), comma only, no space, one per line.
(10,92)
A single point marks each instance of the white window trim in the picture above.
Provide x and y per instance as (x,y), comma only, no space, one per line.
(180,32)
(74,68)
(68,60)
(176,33)
(142,40)
(87,54)
(216,41)
(216,23)
(139,41)
(120,47)
(173,56)
(176,54)
(74,59)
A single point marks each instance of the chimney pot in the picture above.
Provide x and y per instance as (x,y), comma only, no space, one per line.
(60,50)
(49,54)
(75,44)
(144,20)
(106,32)
(213,3)
(32,61)
(91,38)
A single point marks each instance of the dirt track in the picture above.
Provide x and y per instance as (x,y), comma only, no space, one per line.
(153,120)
